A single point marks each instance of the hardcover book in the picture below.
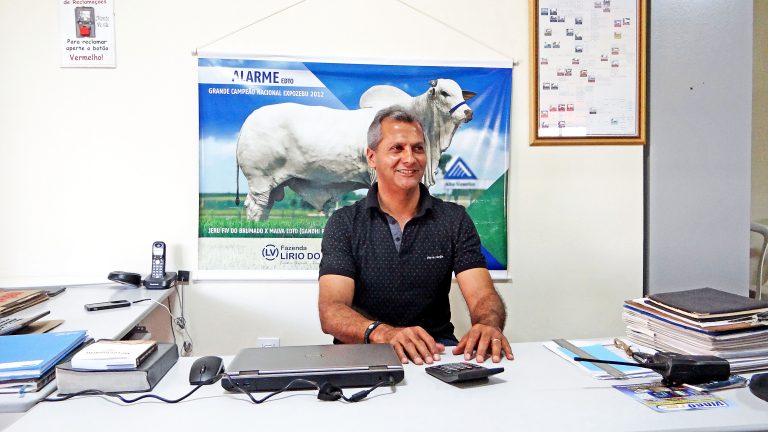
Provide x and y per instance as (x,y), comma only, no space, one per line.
(142,379)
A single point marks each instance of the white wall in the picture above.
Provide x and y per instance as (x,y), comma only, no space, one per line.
(96,164)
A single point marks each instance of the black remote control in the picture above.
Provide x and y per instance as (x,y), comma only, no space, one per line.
(460,372)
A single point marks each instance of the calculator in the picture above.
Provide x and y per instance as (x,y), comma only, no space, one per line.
(461,371)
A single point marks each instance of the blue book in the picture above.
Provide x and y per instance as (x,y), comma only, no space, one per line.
(31,355)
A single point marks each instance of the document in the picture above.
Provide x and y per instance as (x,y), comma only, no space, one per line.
(671,399)
(603,350)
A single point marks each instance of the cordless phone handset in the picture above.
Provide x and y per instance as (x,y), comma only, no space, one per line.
(158,260)
(158,278)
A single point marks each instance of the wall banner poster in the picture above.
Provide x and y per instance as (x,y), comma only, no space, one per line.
(282,145)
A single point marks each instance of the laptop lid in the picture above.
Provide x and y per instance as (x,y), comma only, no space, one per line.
(344,365)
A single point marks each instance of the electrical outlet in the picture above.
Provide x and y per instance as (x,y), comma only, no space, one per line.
(268,342)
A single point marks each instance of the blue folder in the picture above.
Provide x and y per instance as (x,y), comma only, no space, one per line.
(31,355)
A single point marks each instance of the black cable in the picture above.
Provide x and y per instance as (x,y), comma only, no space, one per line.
(277,392)
(141,300)
(364,393)
(327,392)
(181,323)
(103,393)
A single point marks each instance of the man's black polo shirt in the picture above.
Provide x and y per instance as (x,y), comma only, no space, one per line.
(409,287)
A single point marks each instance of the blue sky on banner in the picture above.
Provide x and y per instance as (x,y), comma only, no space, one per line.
(481,143)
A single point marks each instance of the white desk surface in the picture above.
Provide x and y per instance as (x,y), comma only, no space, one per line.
(104,324)
(537,391)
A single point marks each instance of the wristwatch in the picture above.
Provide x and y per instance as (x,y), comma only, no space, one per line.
(371,327)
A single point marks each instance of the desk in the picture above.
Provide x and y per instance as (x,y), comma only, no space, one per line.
(105,324)
(537,391)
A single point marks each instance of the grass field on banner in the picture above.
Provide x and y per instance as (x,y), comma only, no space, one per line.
(293,218)
(488,213)
(220,217)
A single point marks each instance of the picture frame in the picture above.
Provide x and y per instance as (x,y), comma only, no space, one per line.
(588,72)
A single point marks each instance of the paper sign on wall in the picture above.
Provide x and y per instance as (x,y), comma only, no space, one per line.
(87,33)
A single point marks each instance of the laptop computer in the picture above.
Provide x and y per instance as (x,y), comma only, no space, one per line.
(353,365)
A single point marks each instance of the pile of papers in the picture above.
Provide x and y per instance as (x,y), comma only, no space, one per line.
(703,321)
(12,301)
(27,361)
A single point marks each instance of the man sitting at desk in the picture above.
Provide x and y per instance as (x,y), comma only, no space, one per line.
(387,259)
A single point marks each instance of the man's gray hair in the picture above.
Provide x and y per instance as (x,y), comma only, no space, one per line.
(395,112)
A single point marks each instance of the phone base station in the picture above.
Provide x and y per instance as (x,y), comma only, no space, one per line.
(168,281)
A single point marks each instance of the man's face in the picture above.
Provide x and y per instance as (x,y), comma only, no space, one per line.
(400,158)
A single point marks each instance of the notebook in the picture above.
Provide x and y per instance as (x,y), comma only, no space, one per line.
(353,365)
(708,304)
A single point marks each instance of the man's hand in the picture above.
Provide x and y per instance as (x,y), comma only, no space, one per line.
(412,343)
(481,340)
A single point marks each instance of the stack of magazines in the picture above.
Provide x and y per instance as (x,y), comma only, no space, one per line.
(12,301)
(703,321)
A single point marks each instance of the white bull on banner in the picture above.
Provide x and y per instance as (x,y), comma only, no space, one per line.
(319,152)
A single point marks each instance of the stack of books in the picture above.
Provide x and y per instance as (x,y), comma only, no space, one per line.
(117,366)
(27,361)
(703,321)
(12,301)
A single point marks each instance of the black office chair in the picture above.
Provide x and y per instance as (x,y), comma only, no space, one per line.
(762,230)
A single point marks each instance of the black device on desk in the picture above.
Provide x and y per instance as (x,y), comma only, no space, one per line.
(461,372)
(158,278)
(677,369)
(758,385)
(107,305)
(206,370)
(125,278)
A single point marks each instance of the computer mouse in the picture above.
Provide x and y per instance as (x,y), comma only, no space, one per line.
(758,385)
(206,370)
